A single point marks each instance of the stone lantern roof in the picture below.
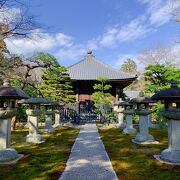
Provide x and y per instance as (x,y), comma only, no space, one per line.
(35,101)
(141,100)
(8,92)
(171,94)
(125,103)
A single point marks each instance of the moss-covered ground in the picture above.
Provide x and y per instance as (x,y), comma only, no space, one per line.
(132,161)
(41,161)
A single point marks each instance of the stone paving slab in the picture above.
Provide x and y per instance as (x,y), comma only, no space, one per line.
(88,159)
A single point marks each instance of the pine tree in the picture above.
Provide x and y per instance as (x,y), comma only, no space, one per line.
(56,85)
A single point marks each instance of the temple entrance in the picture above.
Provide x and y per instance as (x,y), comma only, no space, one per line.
(87,112)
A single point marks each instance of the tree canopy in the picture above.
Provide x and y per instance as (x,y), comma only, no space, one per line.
(158,76)
(129,66)
(56,86)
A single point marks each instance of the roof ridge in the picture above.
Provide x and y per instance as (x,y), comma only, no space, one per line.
(111,68)
(78,62)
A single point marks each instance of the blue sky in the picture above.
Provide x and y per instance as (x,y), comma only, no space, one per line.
(113,29)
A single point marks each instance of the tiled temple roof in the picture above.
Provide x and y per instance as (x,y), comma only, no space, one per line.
(90,69)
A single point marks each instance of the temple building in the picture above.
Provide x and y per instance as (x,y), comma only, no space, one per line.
(84,75)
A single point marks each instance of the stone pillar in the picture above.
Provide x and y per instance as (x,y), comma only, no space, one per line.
(58,122)
(33,136)
(129,122)
(48,122)
(143,137)
(8,155)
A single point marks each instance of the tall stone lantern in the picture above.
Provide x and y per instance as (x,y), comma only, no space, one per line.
(143,110)
(171,98)
(33,112)
(128,112)
(58,113)
(48,118)
(8,97)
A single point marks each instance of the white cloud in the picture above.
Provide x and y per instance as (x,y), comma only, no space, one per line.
(159,12)
(73,53)
(131,31)
(38,41)
(64,40)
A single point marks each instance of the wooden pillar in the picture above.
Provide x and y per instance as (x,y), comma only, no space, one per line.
(117,94)
(77,108)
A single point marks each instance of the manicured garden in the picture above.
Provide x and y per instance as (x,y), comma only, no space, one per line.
(133,161)
(41,161)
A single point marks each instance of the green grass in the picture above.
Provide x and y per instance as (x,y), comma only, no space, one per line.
(41,161)
(132,161)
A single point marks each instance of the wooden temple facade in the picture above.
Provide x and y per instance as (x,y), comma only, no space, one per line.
(84,75)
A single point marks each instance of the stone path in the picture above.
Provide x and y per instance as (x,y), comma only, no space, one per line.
(88,159)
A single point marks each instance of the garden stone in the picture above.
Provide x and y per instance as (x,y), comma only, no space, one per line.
(171,96)
(33,136)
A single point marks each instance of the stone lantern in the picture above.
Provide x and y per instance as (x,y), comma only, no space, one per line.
(128,112)
(48,118)
(171,98)
(143,110)
(58,113)
(8,97)
(119,109)
(33,113)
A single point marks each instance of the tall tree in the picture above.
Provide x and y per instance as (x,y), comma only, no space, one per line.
(56,85)
(129,66)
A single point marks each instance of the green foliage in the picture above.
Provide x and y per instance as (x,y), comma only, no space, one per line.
(157,115)
(159,75)
(102,96)
(21,115)
(56,85)
(129,66)
(45,58)
(111,116)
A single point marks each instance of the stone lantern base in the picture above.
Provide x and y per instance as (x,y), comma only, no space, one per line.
(58,125)
(121,126)
(169,156)
(9,156)
(144,139)
(48,130)
(34,138)
(129,130)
